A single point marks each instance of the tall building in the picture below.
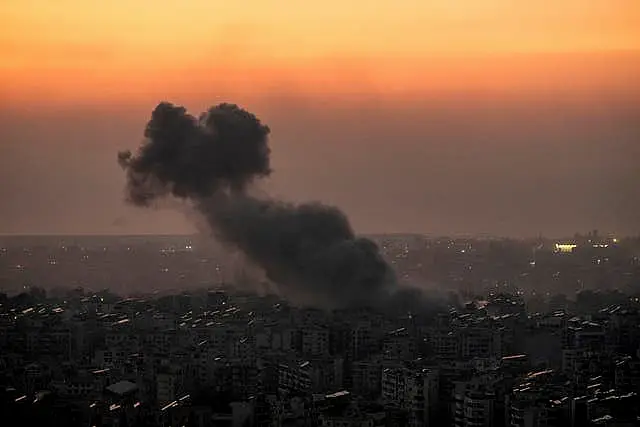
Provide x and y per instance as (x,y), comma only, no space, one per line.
(412,390)
(479,402)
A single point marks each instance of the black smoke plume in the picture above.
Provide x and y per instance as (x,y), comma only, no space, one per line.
(309,250)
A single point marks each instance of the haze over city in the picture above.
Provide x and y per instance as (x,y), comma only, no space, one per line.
(353,213)
(428,117)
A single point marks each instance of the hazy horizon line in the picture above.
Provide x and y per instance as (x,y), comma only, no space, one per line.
(376,234)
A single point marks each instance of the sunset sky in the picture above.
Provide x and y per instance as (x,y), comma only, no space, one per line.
(443,116)
(125,50)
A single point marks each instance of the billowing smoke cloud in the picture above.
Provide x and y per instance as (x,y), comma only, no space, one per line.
(225,149)
(309,250)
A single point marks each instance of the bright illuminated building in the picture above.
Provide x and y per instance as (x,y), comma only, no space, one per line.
(565,247)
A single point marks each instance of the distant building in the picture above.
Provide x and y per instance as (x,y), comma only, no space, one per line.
(565,247)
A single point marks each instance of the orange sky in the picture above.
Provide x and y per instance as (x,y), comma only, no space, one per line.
(74,51)
(438,116)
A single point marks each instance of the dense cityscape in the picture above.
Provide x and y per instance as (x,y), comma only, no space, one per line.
(319,214)
(173,331)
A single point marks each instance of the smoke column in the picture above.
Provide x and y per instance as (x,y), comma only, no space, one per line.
(308,250)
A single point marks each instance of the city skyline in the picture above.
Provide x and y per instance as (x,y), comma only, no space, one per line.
(274,213)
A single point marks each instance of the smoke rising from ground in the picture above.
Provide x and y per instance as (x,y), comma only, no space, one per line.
(308,250)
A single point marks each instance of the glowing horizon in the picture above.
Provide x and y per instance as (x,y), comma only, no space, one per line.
(125,51)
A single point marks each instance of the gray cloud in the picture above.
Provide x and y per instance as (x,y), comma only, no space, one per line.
(309,250)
